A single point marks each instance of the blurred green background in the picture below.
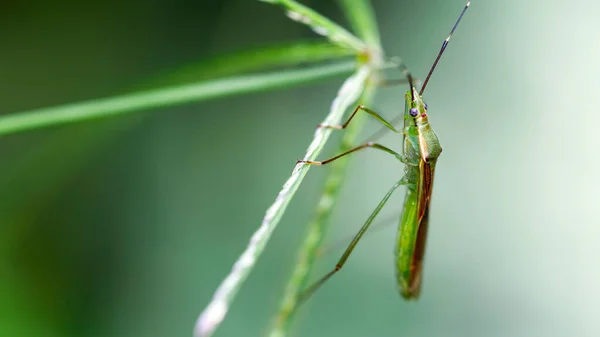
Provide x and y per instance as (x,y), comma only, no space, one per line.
(124,227)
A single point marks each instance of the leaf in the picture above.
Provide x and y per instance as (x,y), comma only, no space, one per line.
(249,60)
(321,25)
(361,15)
(164,97)
(215,312)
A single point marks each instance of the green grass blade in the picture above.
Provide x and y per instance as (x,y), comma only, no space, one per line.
(321,25)
(89,140)
(318,225)
(361,15)
(216,310)
(170,96)
(250,60)
(362,18)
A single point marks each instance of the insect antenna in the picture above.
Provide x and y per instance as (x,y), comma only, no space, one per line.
(381,132)
(444,45)
(409,78)
(412,85)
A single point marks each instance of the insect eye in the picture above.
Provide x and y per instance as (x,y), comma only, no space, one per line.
(413,112)
(425,106)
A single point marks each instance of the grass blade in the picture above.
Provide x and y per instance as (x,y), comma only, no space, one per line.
(216,310)
(321,25)
(170,96)
(32,193)
(361,15)
(250,60)
(318,225)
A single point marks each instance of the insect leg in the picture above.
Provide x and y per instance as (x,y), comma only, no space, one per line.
(381,224)
(367,110)
(310,290)
(364,146)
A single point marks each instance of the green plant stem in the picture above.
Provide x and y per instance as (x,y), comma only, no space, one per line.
(321,25)
(254,59)
(216,310)
(361,15)
(170,96)
(318,225)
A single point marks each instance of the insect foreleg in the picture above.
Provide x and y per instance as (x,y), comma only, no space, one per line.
(364,146)
(310,290)
(367,110)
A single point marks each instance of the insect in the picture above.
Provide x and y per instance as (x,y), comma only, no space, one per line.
(421,149)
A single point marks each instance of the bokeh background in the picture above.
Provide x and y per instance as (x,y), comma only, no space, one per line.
(124,227)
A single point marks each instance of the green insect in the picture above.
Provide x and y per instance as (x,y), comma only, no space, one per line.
(421,149)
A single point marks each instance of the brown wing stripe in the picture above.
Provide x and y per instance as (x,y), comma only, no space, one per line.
(424,199)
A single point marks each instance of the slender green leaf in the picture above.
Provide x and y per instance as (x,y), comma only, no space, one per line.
(318,225)
(361,15)
(196,92)
(216,310)
(321,25)
(250,60)
(31,196)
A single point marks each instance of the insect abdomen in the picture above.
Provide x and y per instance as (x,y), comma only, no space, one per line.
(406,244)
